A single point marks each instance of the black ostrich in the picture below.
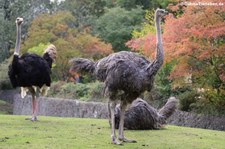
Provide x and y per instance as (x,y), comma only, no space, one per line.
(141,116)
(126,75)
(31,72)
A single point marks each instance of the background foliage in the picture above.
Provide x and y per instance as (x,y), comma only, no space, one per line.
(90,91)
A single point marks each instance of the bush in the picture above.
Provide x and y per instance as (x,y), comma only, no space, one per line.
(187,99)
(211,102)
(55,88)
(86,92)
(96,91)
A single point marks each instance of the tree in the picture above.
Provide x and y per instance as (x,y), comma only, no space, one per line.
(197,36)
(92,47)
(116,25)
(131,4)
(196,39)
(85,11)
(59,29)
(9,11)
(145,4)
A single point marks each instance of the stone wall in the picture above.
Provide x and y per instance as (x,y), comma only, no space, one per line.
(189,119)
(75,108)
(60,107)
(8,95)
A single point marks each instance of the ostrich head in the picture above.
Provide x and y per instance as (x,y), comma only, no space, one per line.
(160,12)
(19,21)
(51,50)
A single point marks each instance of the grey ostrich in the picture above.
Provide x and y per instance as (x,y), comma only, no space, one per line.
(31,72)
(126,75)
(141,116)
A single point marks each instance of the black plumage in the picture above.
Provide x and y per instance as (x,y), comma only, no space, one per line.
(29,70)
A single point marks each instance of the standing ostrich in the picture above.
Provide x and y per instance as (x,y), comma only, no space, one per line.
(31,72)
(141,116)
(126,75)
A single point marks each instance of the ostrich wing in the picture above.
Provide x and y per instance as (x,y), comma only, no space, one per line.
(103,66)
(29,70)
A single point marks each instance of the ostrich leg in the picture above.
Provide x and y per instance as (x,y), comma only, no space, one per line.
(34,106)
(113,133)
(121,125)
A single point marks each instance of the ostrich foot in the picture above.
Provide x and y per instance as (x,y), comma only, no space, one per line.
(33,118)
(127,140)
(115,141)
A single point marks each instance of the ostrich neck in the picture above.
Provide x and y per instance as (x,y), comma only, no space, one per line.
(158,30)
(158,62)
(18,37)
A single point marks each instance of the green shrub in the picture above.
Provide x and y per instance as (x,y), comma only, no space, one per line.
(77,91)
(96,91)
(87,92)
(55,89)
(186,99)
(211,102)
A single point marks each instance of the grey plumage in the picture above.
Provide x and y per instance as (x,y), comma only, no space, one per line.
(82,65)
(122,72)
(141,116)
(125,74)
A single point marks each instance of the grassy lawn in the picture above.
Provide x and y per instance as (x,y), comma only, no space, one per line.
(54,132)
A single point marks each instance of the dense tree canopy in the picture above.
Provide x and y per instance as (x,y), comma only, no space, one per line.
(145,4)
(116,25)
(85,11)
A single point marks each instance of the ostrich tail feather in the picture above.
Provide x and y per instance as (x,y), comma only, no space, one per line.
(169,108)
(51,50)
(82,65)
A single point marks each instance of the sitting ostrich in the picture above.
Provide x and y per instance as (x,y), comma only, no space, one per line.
(126,75)
(141,116)
(30,71)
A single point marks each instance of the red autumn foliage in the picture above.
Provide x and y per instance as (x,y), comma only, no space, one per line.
(199,32)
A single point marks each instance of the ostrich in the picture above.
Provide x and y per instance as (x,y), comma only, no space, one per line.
(140,115)
(126,75)
(30,71)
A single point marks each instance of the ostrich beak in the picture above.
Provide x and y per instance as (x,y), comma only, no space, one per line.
(165,13)
(19,20)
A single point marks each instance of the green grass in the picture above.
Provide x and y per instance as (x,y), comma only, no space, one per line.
(77,133)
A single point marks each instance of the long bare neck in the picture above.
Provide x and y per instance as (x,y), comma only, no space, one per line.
(158,62)
(18,38)
(158,30)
